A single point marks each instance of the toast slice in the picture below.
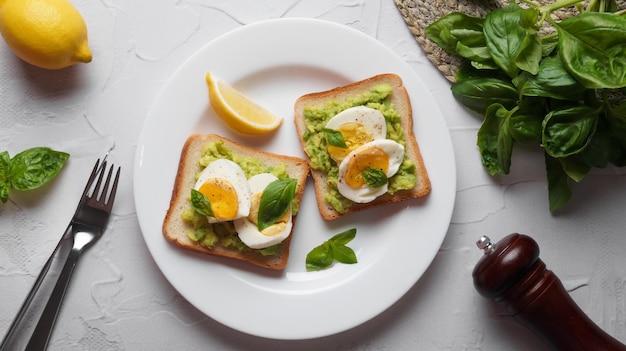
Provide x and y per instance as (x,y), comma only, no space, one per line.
(351,95)
(181,221)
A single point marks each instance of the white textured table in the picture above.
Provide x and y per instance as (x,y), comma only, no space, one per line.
(119,300)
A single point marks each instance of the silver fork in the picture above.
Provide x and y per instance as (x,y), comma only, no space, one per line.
(87,226)
(32,307)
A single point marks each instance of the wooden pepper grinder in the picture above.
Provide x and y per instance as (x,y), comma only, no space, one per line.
(512,274)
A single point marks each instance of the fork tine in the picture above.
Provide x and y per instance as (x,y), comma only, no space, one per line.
(91,178)
(113,191)
(96,189)
(103,196)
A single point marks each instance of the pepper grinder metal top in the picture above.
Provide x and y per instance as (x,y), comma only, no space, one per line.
(511,273)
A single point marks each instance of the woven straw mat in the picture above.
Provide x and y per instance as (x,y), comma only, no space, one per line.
(419,14)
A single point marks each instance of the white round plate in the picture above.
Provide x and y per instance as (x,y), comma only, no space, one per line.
(274,62)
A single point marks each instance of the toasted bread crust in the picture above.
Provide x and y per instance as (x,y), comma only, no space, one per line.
(174,228)
(402,104)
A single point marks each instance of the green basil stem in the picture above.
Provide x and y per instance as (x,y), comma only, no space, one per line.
(592,3)
(599,6)
(532,3)
(550,36)
(557,5)
(548,8)
(545,10)
(544,15)
(604,105)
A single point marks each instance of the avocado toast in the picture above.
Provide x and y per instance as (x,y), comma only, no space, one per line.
(384,95)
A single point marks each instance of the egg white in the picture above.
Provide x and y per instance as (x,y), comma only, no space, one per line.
(373,120)
(230,171)
(365,194)
(371,126)
(248,231)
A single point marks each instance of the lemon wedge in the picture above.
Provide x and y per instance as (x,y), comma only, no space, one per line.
(50,34)
(239,112)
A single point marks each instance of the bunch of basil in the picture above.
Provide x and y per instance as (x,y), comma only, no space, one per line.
(554,87)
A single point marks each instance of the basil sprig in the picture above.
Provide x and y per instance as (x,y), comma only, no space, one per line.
(333,249)
(30,169)
(201,203)
(374,177)
(334,138)
(561,89)
(275,201)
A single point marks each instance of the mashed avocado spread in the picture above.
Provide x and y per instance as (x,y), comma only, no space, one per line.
(210,234)
(316,118)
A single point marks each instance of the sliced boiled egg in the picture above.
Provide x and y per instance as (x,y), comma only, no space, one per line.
(224,183)
(358,125)
(247,228)
(383,154)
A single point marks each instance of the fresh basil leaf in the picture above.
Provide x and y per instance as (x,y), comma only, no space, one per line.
(494,140)
(601,148)
(374,177)
(559,191)
(455,28)
(552,81)
(472,36)
(593,51)
(549,43)
(320,257)
(335,248)
(616,125)
(479,93)
(477,54)
(5,182)
(485,65)
(569,130)
(468,69)
(574,167)
(526,122)
(201,203)
(344,237)
(275,200)
(5,161)
(617,128)
(34,167)
(334,138)
(344,254)
(510,34)
(618,155)
(530,56)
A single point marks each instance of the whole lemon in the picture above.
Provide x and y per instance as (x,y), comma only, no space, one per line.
(49,34)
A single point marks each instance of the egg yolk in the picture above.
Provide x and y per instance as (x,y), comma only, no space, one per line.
(276,228)
(223,198)
(354,134)
(373,157)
